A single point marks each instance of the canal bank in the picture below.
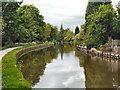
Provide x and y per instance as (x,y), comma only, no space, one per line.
(11,75)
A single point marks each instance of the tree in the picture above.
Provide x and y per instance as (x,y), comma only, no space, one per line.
(9,17)
(93,6)
(31,23)
(78,39)
(47,31)
(99,26)
(61,32)
(76,30)
(69,35)
(54,32)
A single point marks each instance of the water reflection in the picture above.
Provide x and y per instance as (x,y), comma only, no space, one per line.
(99,72)
(63,66)
(34,63)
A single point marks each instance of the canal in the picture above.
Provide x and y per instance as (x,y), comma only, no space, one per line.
(63,66)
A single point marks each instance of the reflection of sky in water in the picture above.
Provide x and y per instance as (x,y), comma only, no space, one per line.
(65,73)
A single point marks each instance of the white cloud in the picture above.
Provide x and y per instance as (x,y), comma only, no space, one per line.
(64,12)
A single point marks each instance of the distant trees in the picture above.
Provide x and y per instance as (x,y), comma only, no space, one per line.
(68,35)
(54,33)
(47,31)
(76,30)
(78,38)
(61,32)
(51,32)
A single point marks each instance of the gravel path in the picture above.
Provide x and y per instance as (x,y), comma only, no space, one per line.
(2,53)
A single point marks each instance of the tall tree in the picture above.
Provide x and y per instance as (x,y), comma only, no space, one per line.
(99,26)
(31,23)
(47,31)
(61,32)
(76,30)
(54,32)
(93,6)
(9,15)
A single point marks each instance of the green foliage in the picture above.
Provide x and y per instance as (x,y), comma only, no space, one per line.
(109,41)
(100,48)
(78,39)
(61,32)
(47,31)
(91,8)
(99,26)
(94,6)
(30,23)
(51,32)
(54,33)
(68,35)
(110,49)
(9,23)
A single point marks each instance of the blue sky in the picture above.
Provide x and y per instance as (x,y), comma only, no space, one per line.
(70,13)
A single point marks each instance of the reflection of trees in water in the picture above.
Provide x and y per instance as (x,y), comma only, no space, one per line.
(65,48)
(34,63)
(98,73)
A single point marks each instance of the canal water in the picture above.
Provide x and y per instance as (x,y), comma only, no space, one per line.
(63,66)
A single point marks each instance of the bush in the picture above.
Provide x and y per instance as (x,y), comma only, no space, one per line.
(110,49)
(100,48)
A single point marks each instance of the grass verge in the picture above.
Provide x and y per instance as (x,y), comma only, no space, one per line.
(11,75)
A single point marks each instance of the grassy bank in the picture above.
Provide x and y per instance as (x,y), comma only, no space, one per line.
(11,75)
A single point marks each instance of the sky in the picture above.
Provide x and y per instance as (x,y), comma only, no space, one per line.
(70,13)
